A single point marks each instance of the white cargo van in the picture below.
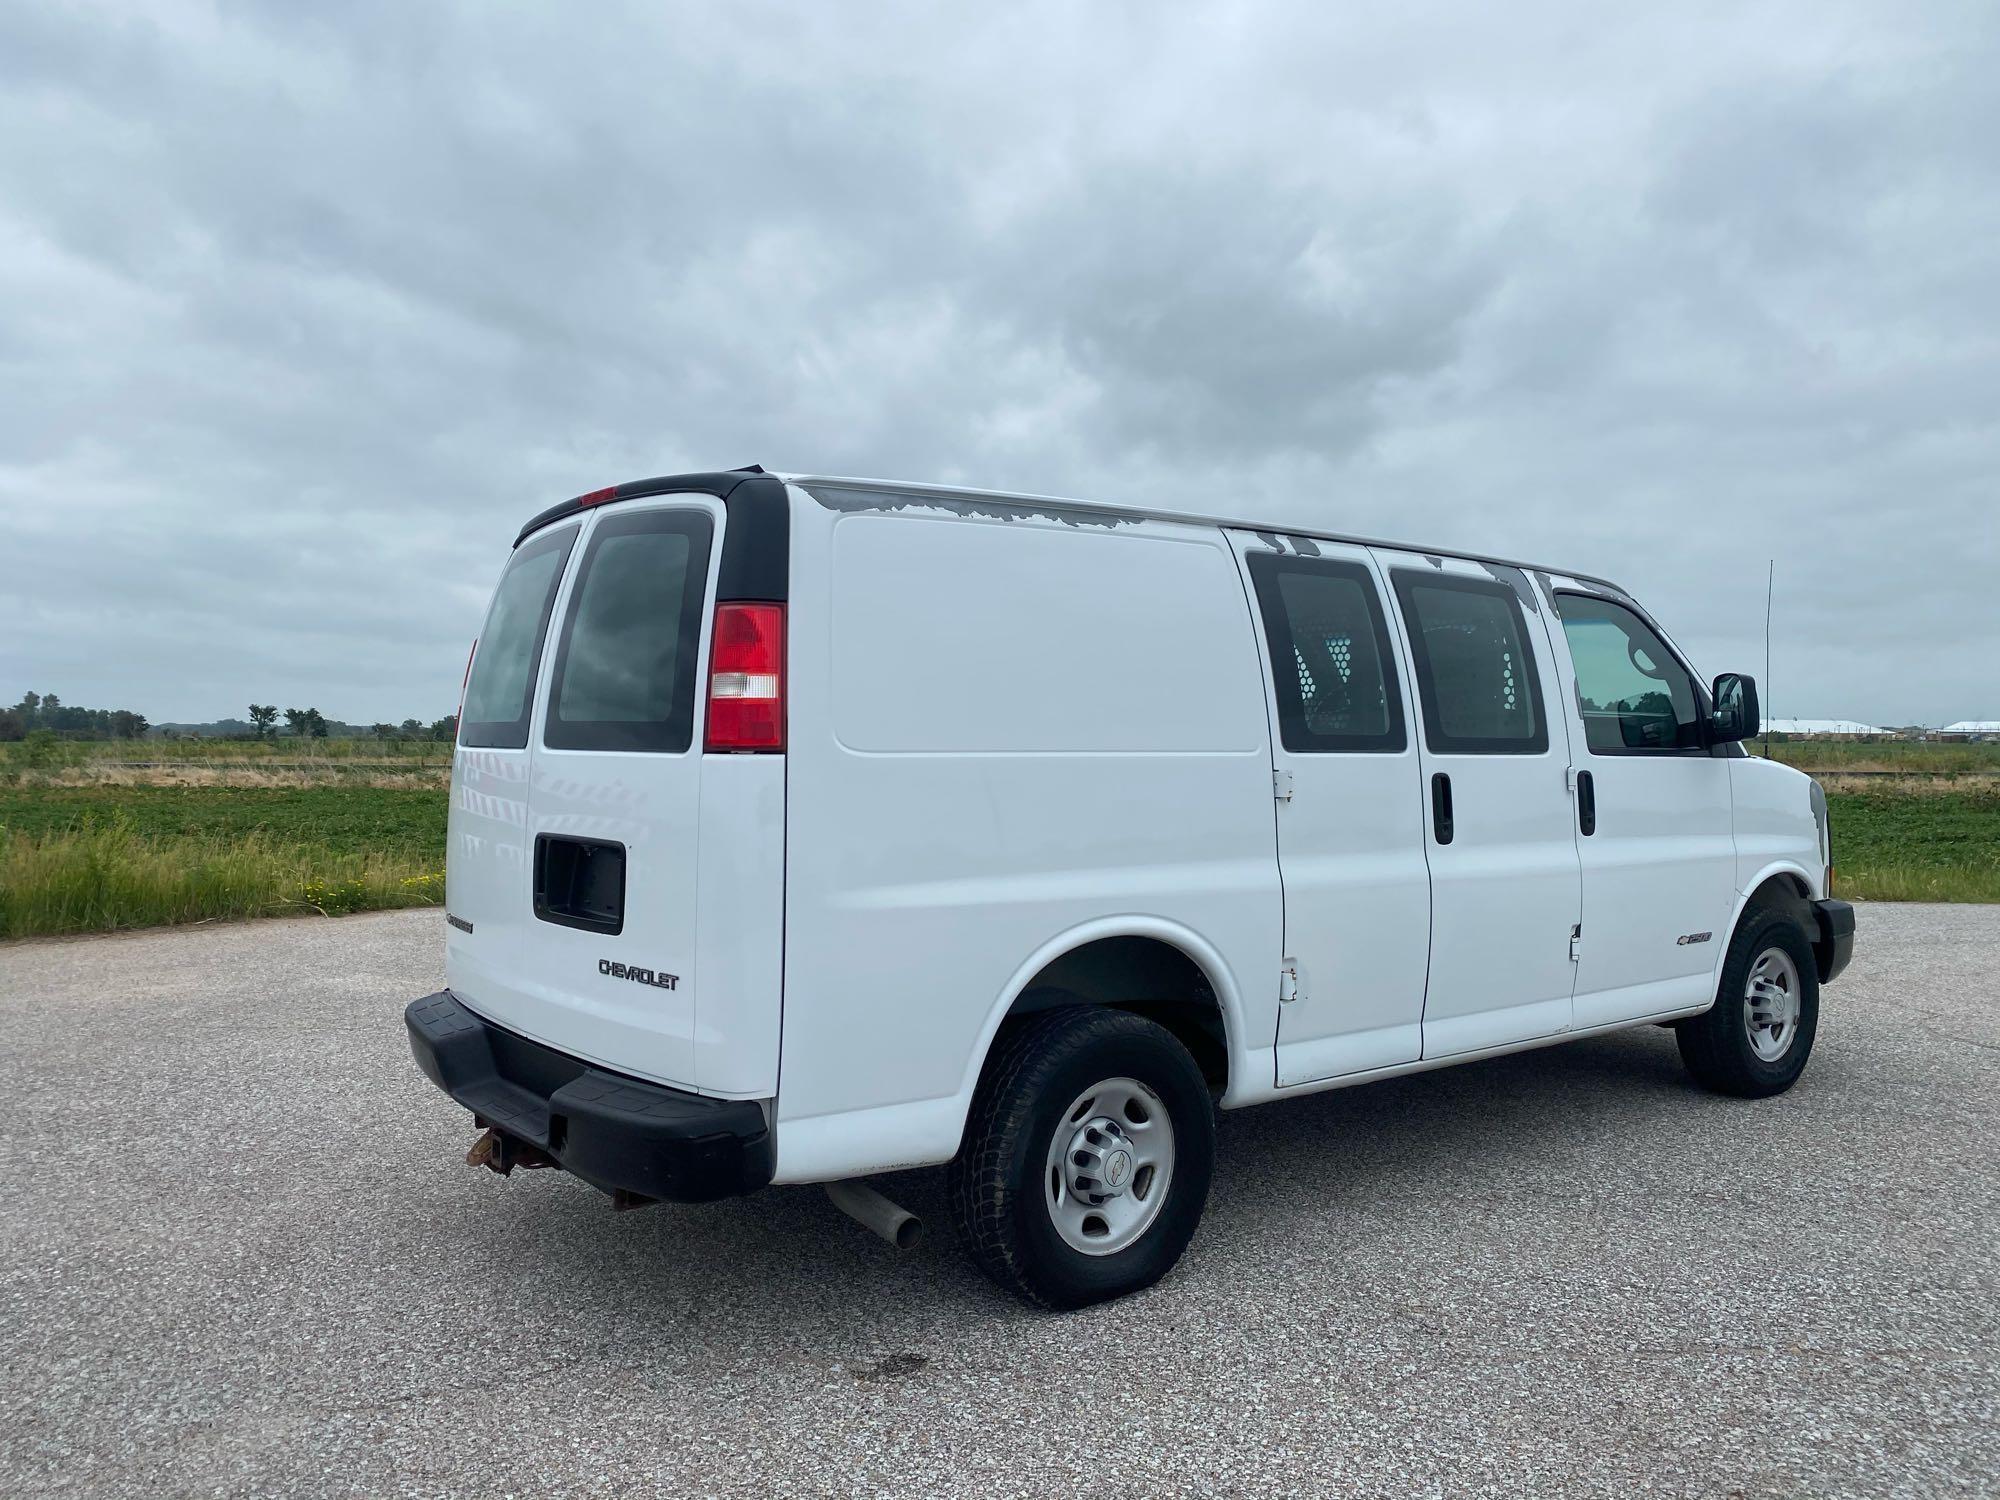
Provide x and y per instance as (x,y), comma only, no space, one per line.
(805,829)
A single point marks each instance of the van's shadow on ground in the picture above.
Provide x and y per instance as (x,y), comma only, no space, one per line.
(786,1264)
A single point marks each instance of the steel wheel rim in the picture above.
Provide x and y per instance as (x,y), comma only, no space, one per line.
(1771,1004)
(1110,1166)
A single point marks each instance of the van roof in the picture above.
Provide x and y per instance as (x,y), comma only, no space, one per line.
(722,484)
(952,495)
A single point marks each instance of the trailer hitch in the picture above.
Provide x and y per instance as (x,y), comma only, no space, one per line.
(502,1153)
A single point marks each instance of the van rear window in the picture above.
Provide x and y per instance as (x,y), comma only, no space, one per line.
(500,695)
(625,665)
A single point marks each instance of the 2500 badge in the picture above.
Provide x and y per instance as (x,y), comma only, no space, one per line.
(637,975)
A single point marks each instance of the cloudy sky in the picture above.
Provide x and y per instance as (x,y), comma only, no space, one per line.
(304,309)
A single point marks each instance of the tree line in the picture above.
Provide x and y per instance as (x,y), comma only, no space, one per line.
(48,714)
(310,723)
(47,711)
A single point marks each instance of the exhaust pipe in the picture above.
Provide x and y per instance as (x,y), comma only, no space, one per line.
(871,1210)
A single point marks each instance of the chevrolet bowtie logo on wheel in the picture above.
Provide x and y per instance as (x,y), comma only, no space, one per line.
(638,975)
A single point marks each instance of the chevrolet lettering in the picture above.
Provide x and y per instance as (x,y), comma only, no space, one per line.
(638,975)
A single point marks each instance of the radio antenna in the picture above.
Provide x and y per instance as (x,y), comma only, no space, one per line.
(1770,588)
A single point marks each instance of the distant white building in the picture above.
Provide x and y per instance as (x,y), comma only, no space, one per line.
(1973,729)
(1850,728)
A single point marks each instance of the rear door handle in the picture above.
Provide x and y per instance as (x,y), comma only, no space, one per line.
(1586,803)
(1441,806)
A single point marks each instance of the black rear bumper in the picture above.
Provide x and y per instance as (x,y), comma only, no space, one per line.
(1833,937)
(616,1133)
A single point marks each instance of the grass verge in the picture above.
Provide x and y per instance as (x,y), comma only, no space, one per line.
(99,859)
(102,879)
(1925,758)
(1892,845)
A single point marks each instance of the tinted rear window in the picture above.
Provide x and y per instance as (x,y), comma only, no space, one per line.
(625,665)
(500,694)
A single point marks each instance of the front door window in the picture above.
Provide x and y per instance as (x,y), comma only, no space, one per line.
(1635,698)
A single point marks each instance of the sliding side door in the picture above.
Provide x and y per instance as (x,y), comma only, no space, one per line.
(1349,811)
(1506,891)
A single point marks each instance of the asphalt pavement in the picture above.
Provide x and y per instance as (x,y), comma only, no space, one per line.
(240,1255)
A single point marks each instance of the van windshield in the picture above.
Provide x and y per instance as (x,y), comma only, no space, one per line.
(500,695)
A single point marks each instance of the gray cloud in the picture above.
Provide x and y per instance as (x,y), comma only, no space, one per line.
(302,311)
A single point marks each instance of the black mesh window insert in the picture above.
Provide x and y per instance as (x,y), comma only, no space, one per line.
(1324,618)
(1475,670)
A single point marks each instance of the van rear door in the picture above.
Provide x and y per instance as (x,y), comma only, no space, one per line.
(575,850)
(487,851)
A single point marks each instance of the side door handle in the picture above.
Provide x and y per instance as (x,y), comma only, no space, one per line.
(1586,803)
(1441,806)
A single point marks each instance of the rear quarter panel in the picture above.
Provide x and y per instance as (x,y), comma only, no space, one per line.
(1003,728)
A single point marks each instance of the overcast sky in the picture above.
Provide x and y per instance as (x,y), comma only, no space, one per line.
(304,309)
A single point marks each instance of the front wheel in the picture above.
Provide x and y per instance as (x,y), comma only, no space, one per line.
(1754,1041)
(1086,1159)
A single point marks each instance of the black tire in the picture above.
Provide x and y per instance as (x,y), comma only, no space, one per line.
(996,1184)
(1716,1046)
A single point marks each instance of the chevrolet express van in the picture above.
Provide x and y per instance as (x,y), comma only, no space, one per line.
(807,829)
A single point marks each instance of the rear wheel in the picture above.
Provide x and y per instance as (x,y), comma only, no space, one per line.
(1087,1157)
(1754,1041)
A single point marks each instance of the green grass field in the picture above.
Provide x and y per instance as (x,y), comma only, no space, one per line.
(1911,821)
(1896,844)
(395,822)
(1908,757)
(139,835)
(97,859)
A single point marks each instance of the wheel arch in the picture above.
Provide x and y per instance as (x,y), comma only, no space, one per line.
(1784,884)
(1112,961)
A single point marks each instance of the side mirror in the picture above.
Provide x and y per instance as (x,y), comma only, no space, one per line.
(1737,715)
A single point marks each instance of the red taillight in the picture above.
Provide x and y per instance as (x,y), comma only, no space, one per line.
(746,678)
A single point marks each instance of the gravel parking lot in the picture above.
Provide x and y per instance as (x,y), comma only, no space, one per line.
(240,1254)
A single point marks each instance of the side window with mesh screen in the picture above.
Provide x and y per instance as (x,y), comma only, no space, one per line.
(1335,676)
(1475,672)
